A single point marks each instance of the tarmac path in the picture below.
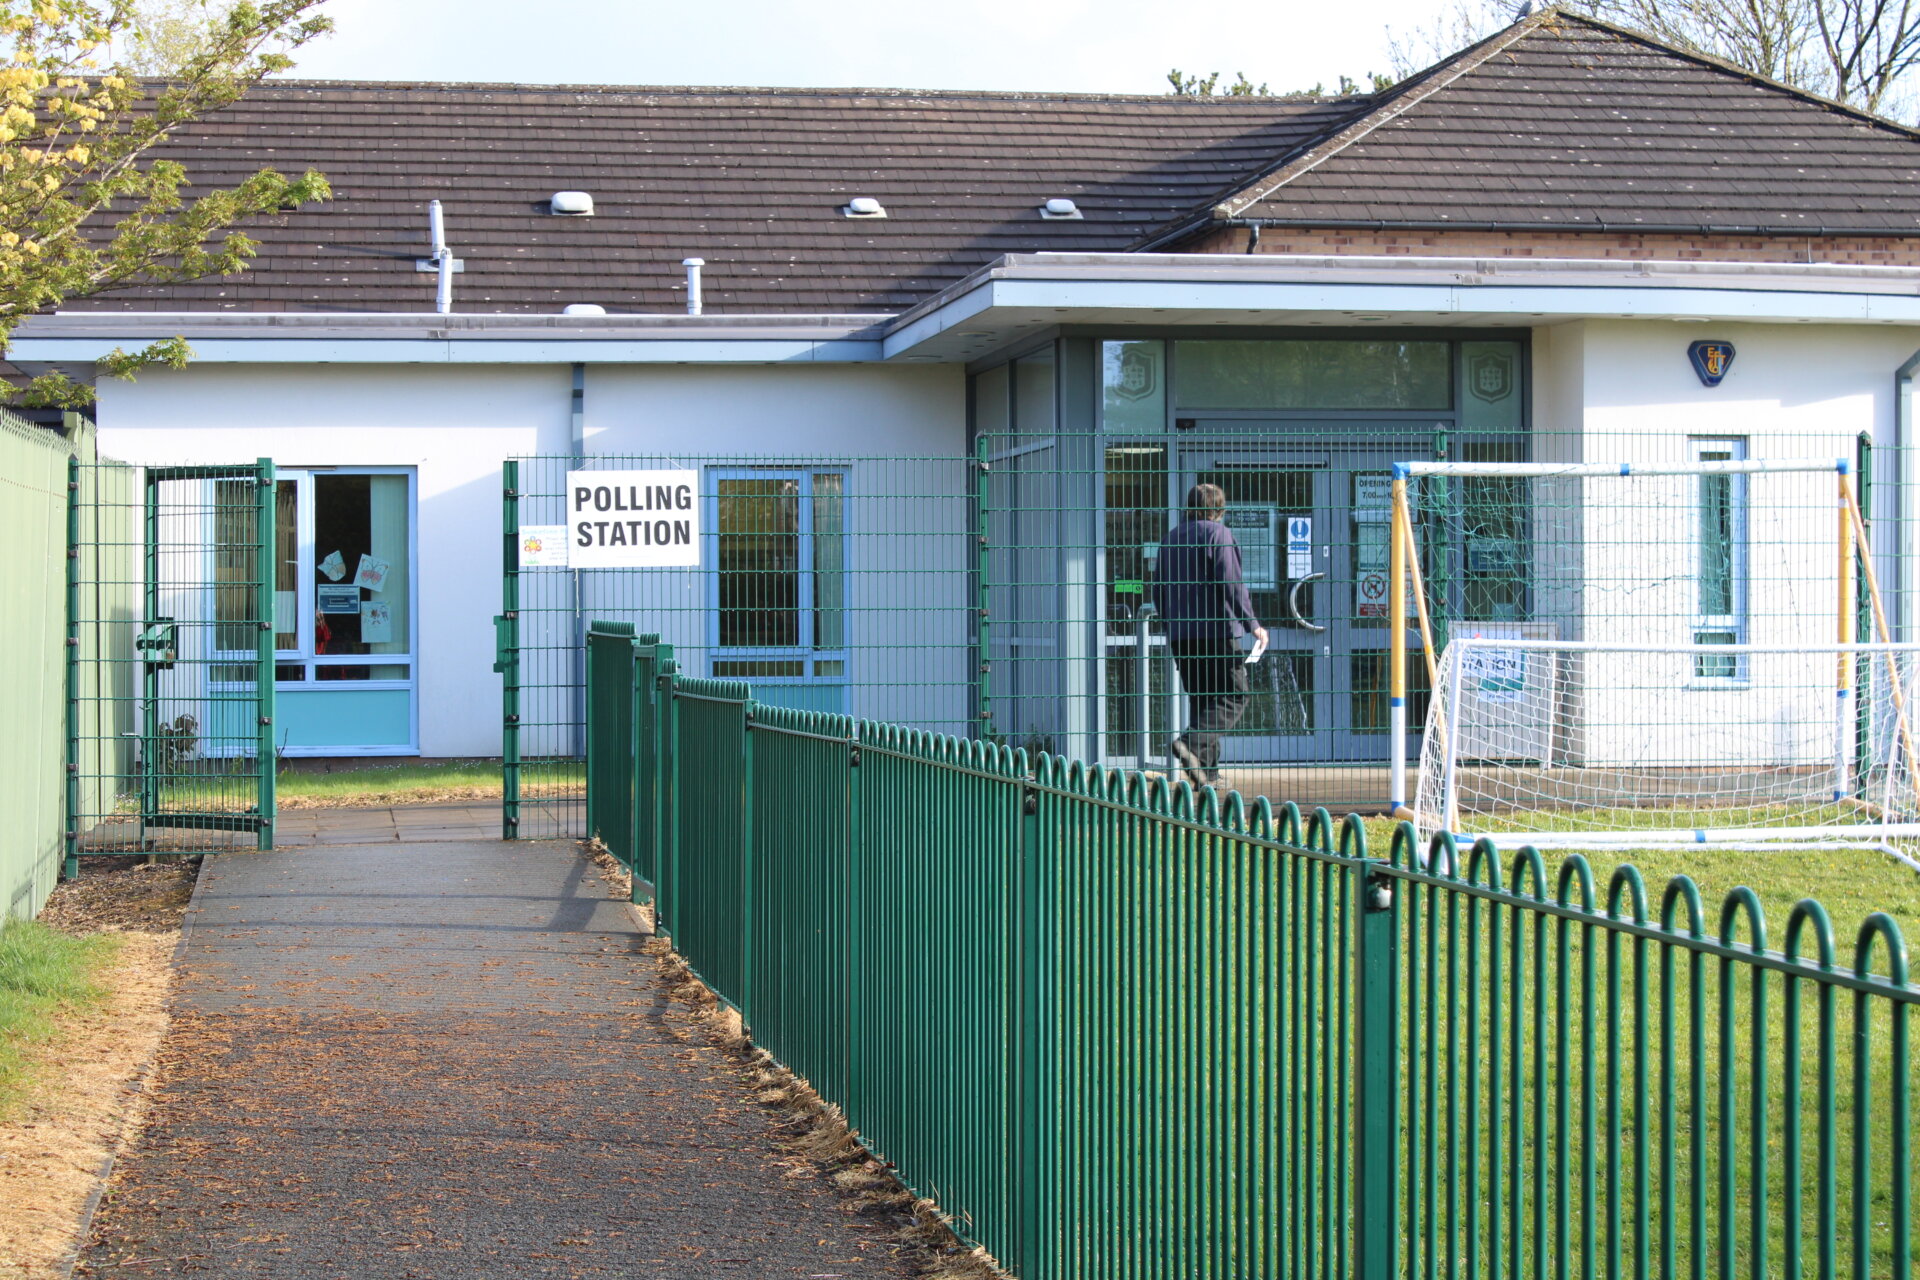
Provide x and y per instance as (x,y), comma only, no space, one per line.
(450,1060)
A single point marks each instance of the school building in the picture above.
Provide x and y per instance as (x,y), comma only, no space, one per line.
(943,364)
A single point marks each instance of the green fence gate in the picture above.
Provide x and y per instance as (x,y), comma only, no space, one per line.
(174,607)
(1121,1031)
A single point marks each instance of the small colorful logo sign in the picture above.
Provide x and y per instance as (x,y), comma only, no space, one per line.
(1711,360)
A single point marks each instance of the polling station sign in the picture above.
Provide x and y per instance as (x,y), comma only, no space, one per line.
(633,519)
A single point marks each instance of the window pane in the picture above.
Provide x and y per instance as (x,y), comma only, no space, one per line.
(360,547)
(286,565)
(829,562)
(1133,378)
(1713,666)
(1716,540)
(759,563)
(380,671)
(750,669)
(1369,694)
(236,609)
(1369,374)
(1490,394)
(1136,521)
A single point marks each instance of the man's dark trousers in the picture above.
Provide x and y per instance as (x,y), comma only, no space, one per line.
(1213,671)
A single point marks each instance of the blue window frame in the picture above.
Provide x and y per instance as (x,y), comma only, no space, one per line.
(777,593)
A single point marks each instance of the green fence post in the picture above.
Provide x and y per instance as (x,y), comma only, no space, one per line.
(645,820)
(666,803)
(1039,1127)
(506,658)
(1376,1120)
(746,864)
(856,942)
(71,827)
(264,500)
(149,674)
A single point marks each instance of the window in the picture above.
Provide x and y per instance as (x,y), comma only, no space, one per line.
(780,577)
(1720,572)
(342,577)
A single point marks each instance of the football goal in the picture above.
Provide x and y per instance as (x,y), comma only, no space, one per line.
(1639,655)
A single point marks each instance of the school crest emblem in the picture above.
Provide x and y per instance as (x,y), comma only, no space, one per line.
(1711,360)
(1490,376)
(1138,377)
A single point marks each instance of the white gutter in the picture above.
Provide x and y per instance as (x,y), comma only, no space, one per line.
(467,338)
(1023,292)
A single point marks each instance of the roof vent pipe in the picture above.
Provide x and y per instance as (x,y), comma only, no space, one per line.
(693,266)
(442,263)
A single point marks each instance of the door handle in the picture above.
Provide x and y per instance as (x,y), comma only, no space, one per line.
(1293,604)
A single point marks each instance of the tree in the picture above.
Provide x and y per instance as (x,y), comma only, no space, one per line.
(1863,53)
(1185,86)
(162,36)
(85,204)
(1204,87)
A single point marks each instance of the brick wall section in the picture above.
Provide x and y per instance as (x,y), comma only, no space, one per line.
(1885,251)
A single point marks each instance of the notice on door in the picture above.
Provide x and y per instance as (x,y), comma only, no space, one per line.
(1299,547)
(633,519)
(1254,528)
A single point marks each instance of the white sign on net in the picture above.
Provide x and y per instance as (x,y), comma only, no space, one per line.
(633,519)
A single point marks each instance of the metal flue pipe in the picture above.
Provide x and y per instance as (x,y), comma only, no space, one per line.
(693,266)
(442,259)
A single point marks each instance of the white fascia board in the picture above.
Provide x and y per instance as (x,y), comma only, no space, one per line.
(1061,298)
(74,350)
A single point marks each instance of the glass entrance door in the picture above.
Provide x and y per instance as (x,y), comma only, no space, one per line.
(1312,529)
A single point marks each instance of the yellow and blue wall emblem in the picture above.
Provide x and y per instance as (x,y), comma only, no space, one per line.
(1711,360)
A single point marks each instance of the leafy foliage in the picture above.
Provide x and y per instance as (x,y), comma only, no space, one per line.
(85,204)
(1195,86)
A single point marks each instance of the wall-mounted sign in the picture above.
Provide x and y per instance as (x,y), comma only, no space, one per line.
(340,599)
(1253,531)
(1299,547)
(633,519)
(1711,360)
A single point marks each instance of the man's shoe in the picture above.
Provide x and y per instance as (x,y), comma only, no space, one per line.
(1189,762)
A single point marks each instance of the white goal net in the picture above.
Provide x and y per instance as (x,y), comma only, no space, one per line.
(1583,743)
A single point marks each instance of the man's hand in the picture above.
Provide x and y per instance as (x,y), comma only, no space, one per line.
(1259,633)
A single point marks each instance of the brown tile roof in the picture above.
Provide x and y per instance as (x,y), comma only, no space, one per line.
(750,180)
(1565,122)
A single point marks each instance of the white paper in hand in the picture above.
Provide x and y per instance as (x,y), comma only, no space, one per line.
(1259,649)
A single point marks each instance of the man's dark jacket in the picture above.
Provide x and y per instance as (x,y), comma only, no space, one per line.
(1197,586)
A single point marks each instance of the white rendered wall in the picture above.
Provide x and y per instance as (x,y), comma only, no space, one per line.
(456,425)
(1791,391)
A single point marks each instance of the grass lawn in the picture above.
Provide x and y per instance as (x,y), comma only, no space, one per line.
(399,783)
(42,973)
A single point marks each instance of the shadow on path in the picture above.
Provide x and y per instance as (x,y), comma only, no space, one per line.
(450,1060)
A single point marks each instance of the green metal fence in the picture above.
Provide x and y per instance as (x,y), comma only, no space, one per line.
(1120,1030)
(33,528)
(173,609)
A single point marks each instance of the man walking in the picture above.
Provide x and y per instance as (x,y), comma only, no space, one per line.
(1201,597)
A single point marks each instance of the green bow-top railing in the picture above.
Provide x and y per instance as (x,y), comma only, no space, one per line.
(1117,1029)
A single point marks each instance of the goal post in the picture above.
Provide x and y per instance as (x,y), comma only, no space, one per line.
(1613,648)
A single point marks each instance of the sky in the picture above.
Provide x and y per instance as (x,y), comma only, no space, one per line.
(1086,46)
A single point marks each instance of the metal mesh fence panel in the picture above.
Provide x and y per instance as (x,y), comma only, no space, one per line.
(1006,594)
(172,604)
(836,583)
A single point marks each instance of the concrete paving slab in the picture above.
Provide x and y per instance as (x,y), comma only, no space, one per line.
(450,1060)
